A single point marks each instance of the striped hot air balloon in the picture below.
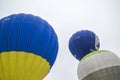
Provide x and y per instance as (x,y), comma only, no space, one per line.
(28,47)
(83,42)
(99,65)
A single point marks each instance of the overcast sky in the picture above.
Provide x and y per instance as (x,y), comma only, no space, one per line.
(67,17)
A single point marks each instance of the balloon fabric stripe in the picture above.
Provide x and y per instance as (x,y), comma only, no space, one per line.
(93,53)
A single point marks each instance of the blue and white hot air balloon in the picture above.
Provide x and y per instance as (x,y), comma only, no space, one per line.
(83,42)
(94,64)
(28,47)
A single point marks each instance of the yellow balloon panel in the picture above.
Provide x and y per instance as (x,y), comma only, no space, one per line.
(22,66)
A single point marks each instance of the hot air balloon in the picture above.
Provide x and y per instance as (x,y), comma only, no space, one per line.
(82,43)
(99,65)
(28,47)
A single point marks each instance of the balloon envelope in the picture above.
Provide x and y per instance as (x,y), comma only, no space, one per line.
(99,65)
(82,43)
(28,47)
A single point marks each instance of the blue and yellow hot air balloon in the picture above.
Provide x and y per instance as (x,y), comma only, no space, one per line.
(83,42)
(28,47)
